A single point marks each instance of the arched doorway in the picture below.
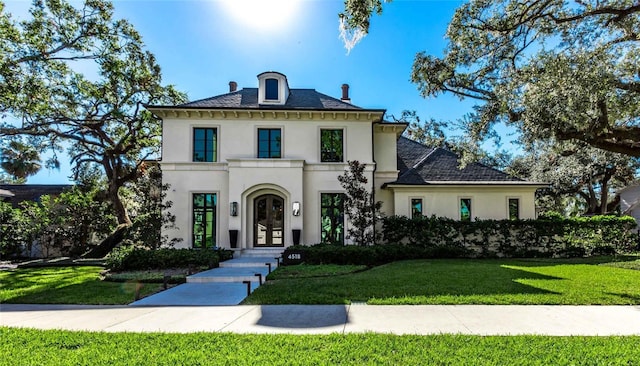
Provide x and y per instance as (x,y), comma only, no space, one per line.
(268,221)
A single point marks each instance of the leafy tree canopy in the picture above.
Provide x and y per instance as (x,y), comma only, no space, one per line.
(101,118)
(583,179)
(563,70)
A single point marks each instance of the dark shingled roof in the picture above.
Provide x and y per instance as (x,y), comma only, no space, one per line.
(247,98)
(32,192)
(419,164)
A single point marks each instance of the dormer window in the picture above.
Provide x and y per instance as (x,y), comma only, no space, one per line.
(271,89)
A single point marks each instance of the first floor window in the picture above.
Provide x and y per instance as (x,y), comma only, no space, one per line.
(205,144)
(204,220)
(269,143)
(416,207)
(465,209)
(331,146)
(332,218)
(514,209)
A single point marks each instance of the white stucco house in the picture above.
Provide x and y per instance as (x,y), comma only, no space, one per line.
(630,201)
(258,168)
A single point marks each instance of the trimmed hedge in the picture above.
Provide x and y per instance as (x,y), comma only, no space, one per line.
(544,237)
(437,237)
(128,258)
(370,255)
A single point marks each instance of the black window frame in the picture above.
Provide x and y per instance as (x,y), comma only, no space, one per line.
(271,86)
(414,213)
(210,147)
(328,155)
(517,208)
(270,153)
(337,222)
(469,207)
(201,242)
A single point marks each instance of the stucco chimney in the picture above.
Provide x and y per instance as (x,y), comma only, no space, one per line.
(345,94)
(233,86)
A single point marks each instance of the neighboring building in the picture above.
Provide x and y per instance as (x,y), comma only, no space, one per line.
(630,201)
(262,163)
(31,192)
(5,195)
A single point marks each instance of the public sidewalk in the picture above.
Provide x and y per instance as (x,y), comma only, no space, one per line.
(320,319)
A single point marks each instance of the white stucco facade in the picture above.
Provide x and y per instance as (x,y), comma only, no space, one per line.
(242,179)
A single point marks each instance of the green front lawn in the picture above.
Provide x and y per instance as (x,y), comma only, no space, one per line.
(458,281)
(54,347)
(66,285)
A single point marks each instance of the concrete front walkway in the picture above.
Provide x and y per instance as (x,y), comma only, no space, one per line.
(319,319)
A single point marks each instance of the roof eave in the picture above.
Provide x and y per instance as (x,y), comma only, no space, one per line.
(161,111)
(466,183)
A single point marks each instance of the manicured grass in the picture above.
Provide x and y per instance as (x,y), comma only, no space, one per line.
(51,347)
(462,281)
(65,285)
(304,271)
(632,264)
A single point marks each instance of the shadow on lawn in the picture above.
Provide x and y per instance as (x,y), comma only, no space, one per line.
(460,278)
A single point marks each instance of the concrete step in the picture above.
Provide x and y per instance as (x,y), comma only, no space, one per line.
(262,252)
(237,274)
(249,262)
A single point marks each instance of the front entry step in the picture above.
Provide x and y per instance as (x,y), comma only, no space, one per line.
(250,262)
(262,252)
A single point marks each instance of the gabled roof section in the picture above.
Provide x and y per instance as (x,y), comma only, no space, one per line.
(422,165)
(247,98)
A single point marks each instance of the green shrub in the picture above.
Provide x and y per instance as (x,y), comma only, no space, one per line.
(551,235)
(128,258)
(370,255)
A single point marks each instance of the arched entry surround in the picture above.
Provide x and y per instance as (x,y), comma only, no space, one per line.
(248,202)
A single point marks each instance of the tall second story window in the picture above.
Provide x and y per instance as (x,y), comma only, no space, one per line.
(331,146)
(271,89)
(269,143)
(205,144)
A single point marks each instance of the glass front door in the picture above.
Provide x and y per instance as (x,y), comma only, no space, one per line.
(268,221)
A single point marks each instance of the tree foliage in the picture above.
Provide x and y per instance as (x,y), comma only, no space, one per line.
(101,118)
(150,210)
(577,173)
(68,224)
(359,204)
(563,70)
(19,160)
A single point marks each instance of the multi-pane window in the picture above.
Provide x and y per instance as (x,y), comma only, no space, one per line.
(331,146)
(465,209)
(514,209)
(205,144)
(332,218)
(269,143)
(416,207)
(271,89)
(204,220)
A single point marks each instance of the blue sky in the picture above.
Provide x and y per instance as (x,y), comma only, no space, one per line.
(201,45)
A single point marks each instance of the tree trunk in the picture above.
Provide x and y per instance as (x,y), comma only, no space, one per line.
(121,212)
(593,200)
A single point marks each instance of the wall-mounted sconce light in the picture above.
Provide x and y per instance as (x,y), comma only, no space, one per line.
(296,208)
(234,209)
